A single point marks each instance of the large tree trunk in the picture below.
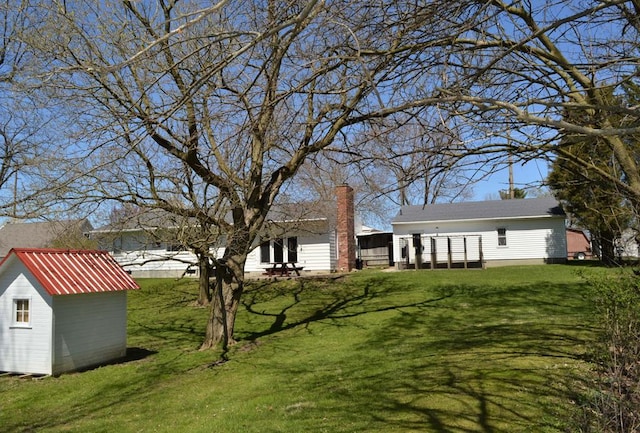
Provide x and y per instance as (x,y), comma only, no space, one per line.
(204,267)
(607,249)
(225,303)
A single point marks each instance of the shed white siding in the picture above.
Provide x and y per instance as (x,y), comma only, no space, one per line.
(24,349)
(88,328)
(73,321)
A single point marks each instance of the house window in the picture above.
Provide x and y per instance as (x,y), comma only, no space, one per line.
(21,312)
(292,249)
(278,250)
(265,252)
(502,237)
(417,243)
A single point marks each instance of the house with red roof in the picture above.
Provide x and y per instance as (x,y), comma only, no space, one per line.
(61,310)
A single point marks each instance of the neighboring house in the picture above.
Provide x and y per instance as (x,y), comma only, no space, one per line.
(477,234)
(44,234)
(61,310)
(578,245)
(627,245)
(314,236)
(146,245)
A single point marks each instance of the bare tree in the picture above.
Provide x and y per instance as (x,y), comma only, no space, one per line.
(157,228)
(524,74)
(419,162)
(226,102)
(19,127)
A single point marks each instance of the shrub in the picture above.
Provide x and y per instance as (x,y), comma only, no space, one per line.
(613,405)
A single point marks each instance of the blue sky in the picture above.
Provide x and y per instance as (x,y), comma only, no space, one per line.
(525,175)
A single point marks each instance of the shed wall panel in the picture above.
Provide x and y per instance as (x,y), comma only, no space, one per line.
(89,329)
(24,349)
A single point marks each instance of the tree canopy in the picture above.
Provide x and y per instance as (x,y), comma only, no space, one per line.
(593,202)
(208,111)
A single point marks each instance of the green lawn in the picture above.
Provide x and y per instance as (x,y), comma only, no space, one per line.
(498,350)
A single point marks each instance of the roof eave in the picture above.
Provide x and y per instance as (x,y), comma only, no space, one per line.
(477,219)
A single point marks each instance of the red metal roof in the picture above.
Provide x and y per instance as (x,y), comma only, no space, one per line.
(68,272)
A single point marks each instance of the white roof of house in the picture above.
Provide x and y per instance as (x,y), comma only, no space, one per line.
(480,210)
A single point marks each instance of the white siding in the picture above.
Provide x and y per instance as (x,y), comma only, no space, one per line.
(89,329)
(532,238)
(314,254)
(24,350)
(333,250)
(158,262)
(627,246)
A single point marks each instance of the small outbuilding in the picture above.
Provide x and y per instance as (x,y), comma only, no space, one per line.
(61,310)
(479,234)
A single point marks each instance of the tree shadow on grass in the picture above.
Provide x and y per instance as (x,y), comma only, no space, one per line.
(338,304)
(511,377)
(464,358)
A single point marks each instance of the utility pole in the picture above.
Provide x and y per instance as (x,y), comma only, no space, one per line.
(512,190)
(15,196)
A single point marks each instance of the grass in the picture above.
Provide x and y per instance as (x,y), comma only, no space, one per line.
(498,350)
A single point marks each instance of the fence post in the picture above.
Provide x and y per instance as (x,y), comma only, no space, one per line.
(464,243)
(417,245)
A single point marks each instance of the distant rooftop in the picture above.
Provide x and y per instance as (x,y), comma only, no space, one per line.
(150,219)
(37,234)
(480,210)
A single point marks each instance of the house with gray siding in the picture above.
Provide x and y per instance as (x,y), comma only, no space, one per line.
(479,234)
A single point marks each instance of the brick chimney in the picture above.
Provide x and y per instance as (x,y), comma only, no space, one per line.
(345,228)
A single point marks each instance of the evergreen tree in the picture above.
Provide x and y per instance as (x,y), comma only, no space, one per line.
(518,193)
(593,203)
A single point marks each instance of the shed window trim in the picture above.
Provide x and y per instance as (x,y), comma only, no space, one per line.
(22,312)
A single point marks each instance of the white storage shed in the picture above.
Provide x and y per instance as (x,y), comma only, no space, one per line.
(61,310)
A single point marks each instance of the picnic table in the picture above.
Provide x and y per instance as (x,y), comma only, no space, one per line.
(282,269)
